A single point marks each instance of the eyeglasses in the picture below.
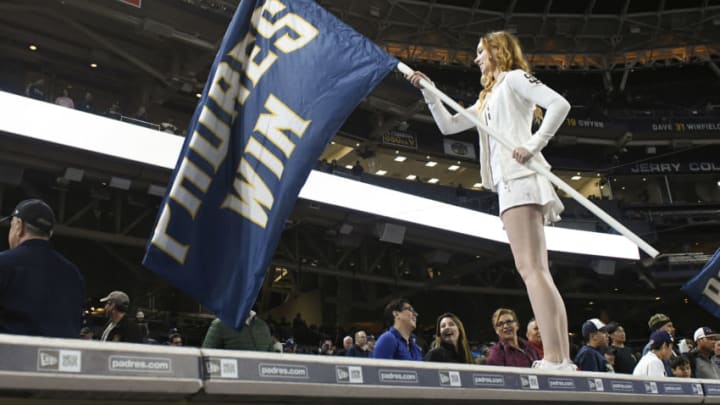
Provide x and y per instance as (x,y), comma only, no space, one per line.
(411,309)
(509,322)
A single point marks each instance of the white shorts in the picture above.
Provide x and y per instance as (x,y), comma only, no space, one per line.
(532,189)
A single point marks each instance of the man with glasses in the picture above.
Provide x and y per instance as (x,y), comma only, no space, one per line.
(590,357)
(398,342)
(702,358)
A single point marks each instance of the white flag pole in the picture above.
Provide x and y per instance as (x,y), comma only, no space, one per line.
(537,167)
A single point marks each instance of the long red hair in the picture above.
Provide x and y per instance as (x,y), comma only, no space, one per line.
(505,53)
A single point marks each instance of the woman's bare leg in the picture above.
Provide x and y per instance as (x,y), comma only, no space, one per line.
(524,228)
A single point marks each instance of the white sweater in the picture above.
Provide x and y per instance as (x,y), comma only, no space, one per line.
(508,112)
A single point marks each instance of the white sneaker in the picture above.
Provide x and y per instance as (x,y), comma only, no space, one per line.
(568,365)
(565,365)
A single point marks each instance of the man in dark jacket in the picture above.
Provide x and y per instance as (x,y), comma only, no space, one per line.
(625,360)
(359,348)
(41,292)
(702,358)
(120,327)
(590,357)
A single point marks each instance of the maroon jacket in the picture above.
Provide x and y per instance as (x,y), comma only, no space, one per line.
(503,354)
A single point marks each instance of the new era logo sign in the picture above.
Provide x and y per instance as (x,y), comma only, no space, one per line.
(223,368)
(212,367)
(450,378)
(349,374)
(529,382)
(48,359)
(596,384)
(67,361)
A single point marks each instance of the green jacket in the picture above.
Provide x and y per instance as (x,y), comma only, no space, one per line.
(255,336)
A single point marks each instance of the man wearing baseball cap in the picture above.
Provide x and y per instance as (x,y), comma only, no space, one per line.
(702,357)
(652,363)
(590,356)
(120,328)
(41,292)
(660,322)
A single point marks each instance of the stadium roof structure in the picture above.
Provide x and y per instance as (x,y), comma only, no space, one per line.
(174,41)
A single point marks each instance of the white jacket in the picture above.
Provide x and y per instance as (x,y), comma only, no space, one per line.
(509,113)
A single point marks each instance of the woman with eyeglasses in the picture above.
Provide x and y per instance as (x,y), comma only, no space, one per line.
(451,344)
(511,350)
(398,342)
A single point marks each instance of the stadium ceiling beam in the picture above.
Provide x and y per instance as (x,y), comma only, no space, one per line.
(368,268)
(106,43)
(285,250)
(588,30)
(624,13)
(135,269)
(72,53)
(701,20)
(137,22)
(714,67)
(447,277)
(621,22)
(311,244)
(588,13)
(384,23)
(390,121)
(544,20)
(626,72)
(75,217)
(138,219)
(450,287)
(658,24)
(99,236)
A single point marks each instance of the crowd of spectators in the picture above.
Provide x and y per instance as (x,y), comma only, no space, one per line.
(30,263)
(38,90)
(604,348)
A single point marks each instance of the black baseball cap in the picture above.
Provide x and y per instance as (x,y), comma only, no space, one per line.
(34,212)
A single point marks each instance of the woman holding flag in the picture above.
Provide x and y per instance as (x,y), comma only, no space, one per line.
(507,105)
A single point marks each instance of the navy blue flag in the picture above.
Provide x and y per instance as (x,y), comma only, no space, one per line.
(286,77)
(704,288)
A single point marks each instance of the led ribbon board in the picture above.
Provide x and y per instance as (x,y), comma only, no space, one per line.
(55,124)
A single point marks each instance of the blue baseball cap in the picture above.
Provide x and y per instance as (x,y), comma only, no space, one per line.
(591,326)
(34,212)
(661,336)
